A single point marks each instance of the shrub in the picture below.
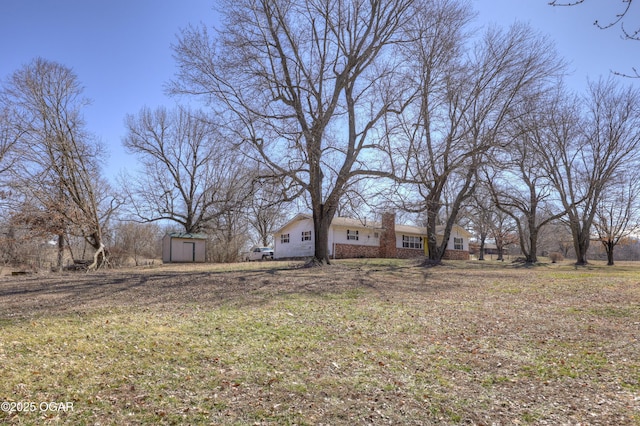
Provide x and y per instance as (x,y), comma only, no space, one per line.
(556,257)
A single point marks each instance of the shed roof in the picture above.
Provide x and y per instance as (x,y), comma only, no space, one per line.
(186,235)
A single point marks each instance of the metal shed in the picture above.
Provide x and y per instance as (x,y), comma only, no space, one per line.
(182,247)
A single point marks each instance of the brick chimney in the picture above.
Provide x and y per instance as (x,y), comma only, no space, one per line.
(388,236)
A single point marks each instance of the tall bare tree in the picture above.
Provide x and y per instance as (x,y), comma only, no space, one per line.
(59,160)
(590,141)
(463,104)
(189,175)
(518,183)
(618,212)
(305,84)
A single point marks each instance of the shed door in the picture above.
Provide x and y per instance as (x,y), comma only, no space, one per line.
(189,252)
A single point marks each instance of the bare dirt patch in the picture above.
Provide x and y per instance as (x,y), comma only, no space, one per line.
(360,342)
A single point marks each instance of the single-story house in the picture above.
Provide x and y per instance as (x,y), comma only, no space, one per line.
(354,238)
(181,247)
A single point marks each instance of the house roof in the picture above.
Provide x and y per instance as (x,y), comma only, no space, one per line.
(410,229)
(299,216)
(360,223)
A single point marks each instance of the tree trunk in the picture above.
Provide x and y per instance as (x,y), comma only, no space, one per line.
(99,258)
(581,245)
(435,251)
(532,257)
(608,246)
(60,252)
(533,228)
(481,254)
(321,223)
(100,254)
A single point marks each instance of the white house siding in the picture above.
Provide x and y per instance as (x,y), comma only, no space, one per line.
(366,236)
(458,232)
(369,239)
(295,247)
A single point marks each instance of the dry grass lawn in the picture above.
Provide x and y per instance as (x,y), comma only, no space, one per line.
(359,342)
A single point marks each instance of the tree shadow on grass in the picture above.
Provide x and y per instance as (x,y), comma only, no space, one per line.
(31,296)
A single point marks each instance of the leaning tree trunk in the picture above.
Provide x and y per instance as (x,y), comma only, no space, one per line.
(100,254)
(99,258)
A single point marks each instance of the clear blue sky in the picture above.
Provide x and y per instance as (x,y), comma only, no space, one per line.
(120,49)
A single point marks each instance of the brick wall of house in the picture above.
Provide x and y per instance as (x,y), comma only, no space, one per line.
(388,247)
(407,253)
(349,251)
(456,255)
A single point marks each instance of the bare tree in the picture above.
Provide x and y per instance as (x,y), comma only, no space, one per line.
(504,232)
(305,84)
(518,183)
(481,217)
(135,241)
(265,210)
(227,238)
(464,104)
(59,160)
(617,214)
(555,237)
(189,175)
(589,142)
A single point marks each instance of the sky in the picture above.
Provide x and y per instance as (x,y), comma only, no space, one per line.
(121,49)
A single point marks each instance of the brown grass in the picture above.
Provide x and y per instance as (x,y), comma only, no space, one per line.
(360,342)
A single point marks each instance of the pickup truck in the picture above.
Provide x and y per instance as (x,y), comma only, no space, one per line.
(260,253)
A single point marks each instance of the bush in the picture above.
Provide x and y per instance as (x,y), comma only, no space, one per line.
(556,257)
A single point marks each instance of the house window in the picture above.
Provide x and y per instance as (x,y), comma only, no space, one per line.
(409,241)
(458,243)
(284,238)
(306,235)
(352,235)
(376,235)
